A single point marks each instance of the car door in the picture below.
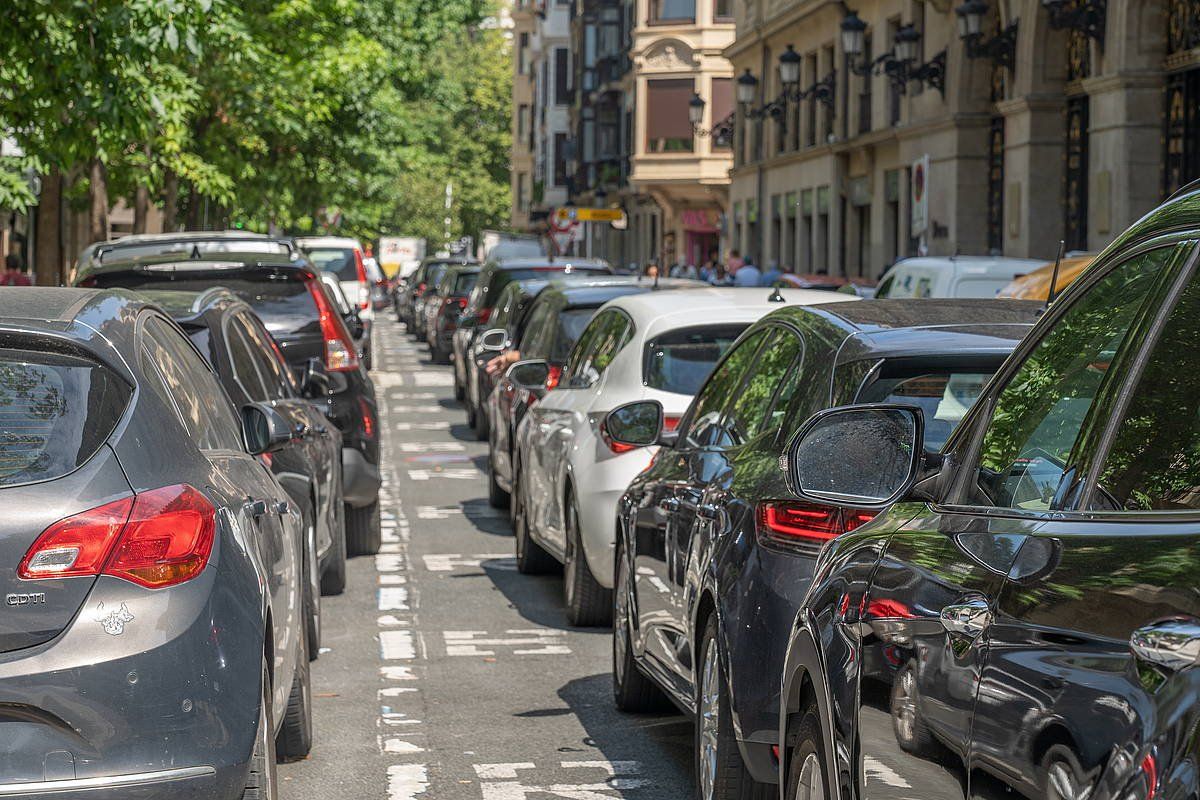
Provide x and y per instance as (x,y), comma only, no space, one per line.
(666,514)
(1089,684)
(934,627)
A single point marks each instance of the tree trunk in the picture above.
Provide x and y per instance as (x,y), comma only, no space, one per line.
(193,215)
(170,202)
(141,199)
(98,192)
(48,260)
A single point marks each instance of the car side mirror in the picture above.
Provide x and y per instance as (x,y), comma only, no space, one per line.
(316,381)
(264,430)
(355,324)
(866,456)
(494,340)
(639,424)
(530,375)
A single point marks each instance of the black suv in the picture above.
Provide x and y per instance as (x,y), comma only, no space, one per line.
(1023,618)
(287,294)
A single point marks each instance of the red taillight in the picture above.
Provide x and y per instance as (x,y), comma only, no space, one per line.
(553,376)
(340,355)
(484,314)
(361,270)
(1150,770)
(671,422)
(420,288)
(368,417)
(462,303)
(155,539)
(788,522)
(617,448)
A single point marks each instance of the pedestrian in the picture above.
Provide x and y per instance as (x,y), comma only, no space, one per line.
(651,271)
(734,262)
(771,275)
(14,272)
(747,275)
(688,271)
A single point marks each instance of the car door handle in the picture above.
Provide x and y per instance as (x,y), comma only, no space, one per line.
(1173,644)
(255,508)
(669,504)
(708,511)
(282,508)
(969,617)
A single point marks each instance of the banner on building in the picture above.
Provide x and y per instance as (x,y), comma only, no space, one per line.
(919,195)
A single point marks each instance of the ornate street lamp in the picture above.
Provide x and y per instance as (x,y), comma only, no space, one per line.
(854,35)
(747,88)
(1001,48)
(899,64)
(721,131)
(1085,16)
(789,67)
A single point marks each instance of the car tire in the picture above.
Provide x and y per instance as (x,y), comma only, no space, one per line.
(333,579)
(532,559)
(480,424)
(459,392)
(497,497)
(1063,777)
(806,779)
(912,734)
(366,357)
(470,411)
(363,532)
(295,738)
(312,617)
(632,690)
(262,782)
(720,772)
(589,605)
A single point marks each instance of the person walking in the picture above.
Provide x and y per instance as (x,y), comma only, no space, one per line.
(14,272)
(747,275)
(734,262)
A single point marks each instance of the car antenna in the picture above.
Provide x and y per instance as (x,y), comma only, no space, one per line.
(776,297)
(1062,246)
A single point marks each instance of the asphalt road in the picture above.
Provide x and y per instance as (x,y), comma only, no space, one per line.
(445,674)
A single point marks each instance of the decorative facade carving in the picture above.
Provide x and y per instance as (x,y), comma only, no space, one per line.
(671,55)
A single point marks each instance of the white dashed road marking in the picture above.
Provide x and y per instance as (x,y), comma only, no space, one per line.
(448,562)
(535,642)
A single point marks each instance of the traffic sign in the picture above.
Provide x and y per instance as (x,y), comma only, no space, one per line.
(573,214)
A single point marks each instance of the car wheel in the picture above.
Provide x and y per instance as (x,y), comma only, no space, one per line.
(470,411)
(720,772)
(296,735)
(366,358)
(261,783)
(363,532)
(333,579)
(497,497)
(912,734)
(632,690)
(1064,778)
(312,611)
(480,424)
(806,768)
(459,392)
(532,559)
(589,604)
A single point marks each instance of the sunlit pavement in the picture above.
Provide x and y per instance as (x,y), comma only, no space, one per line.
(446,673)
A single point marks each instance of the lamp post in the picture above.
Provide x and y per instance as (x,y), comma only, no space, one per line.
(1001,48)
(899,63)
(721,132)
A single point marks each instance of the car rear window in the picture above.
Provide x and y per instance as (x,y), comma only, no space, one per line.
(285,305)
(943,397)
(464,283)
(680,361)
(55,413)
(338,260)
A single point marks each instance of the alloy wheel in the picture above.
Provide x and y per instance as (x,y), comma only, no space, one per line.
(810,784)
(621,626)
(709,720)
(904,707)
(571,555)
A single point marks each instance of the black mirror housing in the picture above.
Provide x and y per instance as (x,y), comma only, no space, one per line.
(866,456)
(638,424)
(530,374)
(263,429)
(493,341)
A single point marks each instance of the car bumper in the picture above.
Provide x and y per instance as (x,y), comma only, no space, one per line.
(200,783)
(360,479)
(598,492)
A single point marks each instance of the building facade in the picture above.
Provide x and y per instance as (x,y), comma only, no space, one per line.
(524,136)
(1004,132)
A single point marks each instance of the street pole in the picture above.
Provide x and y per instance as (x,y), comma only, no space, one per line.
(449,204)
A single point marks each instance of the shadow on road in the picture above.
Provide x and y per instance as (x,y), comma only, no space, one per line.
(485,518)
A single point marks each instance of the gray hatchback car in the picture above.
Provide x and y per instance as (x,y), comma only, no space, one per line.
(151,641)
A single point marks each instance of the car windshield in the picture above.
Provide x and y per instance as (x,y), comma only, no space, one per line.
(338,260)
(55,412)
(943,398)
(525,273)
(680,361)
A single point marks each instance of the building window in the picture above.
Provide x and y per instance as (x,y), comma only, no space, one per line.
(722,112)
(1182,157)
(562,76)
(723,10)
(522,121)
(523,54)
(1076,183)
(995,195)
(522,192)
(672,11)
(865,100)
(827,112)
(668,127)
(560,159)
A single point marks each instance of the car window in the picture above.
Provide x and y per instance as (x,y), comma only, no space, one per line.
(464,282)
(1030,446)
(885,288)
(198,397)
(535,339)
(595,350)
(56,411)
(706,409)
(506,306)
(241,356)
(681,360)
(1154,462)
(338,260)
(943,397)
(271,362)
(748,415)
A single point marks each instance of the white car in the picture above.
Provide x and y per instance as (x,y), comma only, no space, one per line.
(343,256)
(568,473)
(956,276)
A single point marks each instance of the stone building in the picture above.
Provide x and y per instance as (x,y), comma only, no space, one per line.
(524,142)
(998,127)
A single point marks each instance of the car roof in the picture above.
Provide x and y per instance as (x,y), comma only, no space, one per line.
(971,265)
(712,304)
(586,291)
(214,263)
(184,304)
(327,241)
(563,262)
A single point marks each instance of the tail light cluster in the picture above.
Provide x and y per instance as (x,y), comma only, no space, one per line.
(616,447)
(483,315)
(791,523)
(360,270)
(155,539)
(340,354)
(368,417)
(553,376)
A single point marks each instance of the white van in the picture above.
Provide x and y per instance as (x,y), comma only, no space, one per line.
(956,276)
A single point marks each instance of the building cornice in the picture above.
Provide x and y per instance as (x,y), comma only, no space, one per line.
(798,12)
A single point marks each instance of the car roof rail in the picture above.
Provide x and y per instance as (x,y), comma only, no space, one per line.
(1185,189)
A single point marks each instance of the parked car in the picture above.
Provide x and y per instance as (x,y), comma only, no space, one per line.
(863,287)
(738,554)
(658,345)
(431,274)
(152,643)
(343,308)
(954,276)
(494,276)
(411,287)
(251,369)
(290,298)
(546,325)
(1036,284)
(343,257)
(443,308)
(1032,586)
